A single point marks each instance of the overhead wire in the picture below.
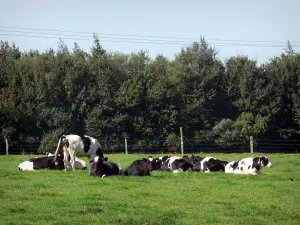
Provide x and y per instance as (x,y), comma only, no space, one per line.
(131,38)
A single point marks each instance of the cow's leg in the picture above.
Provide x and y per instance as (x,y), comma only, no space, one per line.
(66,161)
(92,157)
(72,159)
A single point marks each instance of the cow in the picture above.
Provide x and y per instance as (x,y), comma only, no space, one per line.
(156,163)
(173,164)
(74,144)
(251,165)
(101,167)
(79,163)
(140,167)
(208,164)
(48,162)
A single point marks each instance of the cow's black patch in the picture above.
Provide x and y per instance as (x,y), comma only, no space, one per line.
(256,164)
(99,153)
(216,165)
(264,160)
(164,158)
(249,167)
(181,164)
(235,164)
(87,143)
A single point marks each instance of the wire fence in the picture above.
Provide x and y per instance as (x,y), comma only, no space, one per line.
(160,147)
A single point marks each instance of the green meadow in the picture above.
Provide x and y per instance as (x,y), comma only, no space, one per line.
(74,197)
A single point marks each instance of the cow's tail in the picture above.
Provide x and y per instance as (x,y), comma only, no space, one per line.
(56,151)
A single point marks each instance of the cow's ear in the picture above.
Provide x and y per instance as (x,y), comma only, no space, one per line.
(146,160)
(105,159)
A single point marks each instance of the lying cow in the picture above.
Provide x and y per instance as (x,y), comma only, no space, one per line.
(248,165)
(208,164)
(101,167)
(140,167)
(74,144)
(79,163)
(173,164)
(48,162)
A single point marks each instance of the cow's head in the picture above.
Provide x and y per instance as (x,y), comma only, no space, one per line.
(154,163)
(97,167)
(264,160)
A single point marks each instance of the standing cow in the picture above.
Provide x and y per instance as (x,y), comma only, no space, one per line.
(74,144)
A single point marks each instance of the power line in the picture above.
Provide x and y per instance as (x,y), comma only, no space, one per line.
(143,36)
(137,41)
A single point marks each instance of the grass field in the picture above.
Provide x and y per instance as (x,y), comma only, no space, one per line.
(73,197)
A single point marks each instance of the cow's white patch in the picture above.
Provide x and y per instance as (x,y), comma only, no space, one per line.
(104,175)
(96,158)
(26,165)
(172,159)
(178,170)
(50,154)
(80,164)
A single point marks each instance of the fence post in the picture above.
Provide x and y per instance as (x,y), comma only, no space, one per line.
(181,140)
(126,149)
(6,146)
(251,144)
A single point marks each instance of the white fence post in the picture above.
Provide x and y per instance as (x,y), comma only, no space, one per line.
(251,144)
(126,149)
(181,140)
(6,146)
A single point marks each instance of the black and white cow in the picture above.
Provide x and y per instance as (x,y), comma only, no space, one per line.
(79,163)
(140,167)
(248,165)
(208,164)
(100,167)
(48,162)
(74,144)
(173,164)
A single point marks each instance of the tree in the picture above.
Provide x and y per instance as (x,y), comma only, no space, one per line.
(249,125)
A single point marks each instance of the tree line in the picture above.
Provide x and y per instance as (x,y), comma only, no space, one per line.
(112,95)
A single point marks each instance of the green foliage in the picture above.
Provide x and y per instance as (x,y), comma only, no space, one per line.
(225,133)
(173,143)
(249,125)
(106,94)
(49,141)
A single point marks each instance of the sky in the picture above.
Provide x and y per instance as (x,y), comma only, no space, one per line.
(233,27)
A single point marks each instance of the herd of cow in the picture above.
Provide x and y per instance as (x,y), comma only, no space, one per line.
(100,166)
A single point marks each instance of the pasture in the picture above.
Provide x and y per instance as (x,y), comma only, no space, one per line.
(74,197)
